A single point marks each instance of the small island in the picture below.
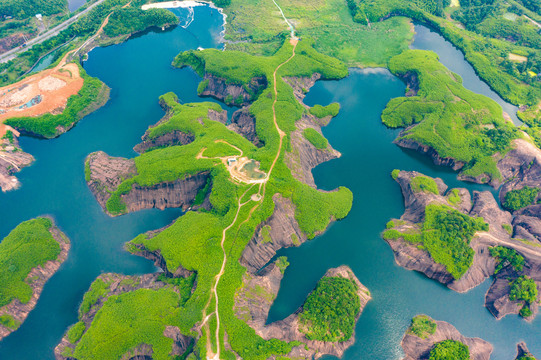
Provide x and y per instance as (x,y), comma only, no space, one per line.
(460,240)
(29,257)
(437,340)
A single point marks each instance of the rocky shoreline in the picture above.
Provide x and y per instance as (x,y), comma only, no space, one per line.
(417,348)
(12,160)
(39,275)
(482,204)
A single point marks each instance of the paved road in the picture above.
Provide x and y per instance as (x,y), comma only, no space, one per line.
(13,53)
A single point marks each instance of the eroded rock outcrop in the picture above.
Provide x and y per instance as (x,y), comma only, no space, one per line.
(116,285)
(417,348)
(240,95)
(243,122)
(257,294)
(414,257)
(12,160)
(283,231)
(105,173)
(36,279)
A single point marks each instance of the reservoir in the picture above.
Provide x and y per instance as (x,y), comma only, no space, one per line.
(138,72)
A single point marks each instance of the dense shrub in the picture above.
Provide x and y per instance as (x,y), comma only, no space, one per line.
(422,326)
(506,256)
(450,350)
(315,138)
(131,20)
(26,247)
(330,310)
(424,184)
(518,199)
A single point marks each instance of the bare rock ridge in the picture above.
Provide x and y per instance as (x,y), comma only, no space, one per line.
(283,231)
(39,275)
(482,204)
(256,296)
(120,284)
(240,95)
(12,160)
(417,348)
(106,173)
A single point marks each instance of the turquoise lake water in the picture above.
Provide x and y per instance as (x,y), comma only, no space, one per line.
(138,72)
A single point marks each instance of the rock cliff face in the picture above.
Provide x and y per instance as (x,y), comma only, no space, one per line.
(416,348)
(119,284)
(482,204)
(254,310)
(520,167)
(105,174)
(240,95)
(12,160)
(428,150)
(179,194)
(284,232)
(243,122)
(39,275)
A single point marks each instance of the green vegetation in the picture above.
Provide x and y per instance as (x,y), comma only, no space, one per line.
(21,9)
(315,138)
(76,331)
(27,246)
(257,28)
(265,234)
(517,199)
(508,228)
(8,136)
(506,257)
(330,310)
(424,184)
(454,197)
(486,45)
(395,173)
(126,321)
(202,86)
(9,322)
(452,120)
(98,289)
(446,235)
(93,93)
(282,263)
(524,289)
(450,350)
(422,326)
(324,111)
(131,20)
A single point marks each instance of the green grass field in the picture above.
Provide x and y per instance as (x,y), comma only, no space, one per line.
(27,246)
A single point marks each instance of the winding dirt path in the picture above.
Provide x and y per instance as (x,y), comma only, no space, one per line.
(210,354)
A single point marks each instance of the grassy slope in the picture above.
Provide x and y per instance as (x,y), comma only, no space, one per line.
(29,245)
(328,22)
(456,122)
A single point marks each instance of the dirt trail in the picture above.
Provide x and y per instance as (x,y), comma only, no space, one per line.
(513,244)
(258,198)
